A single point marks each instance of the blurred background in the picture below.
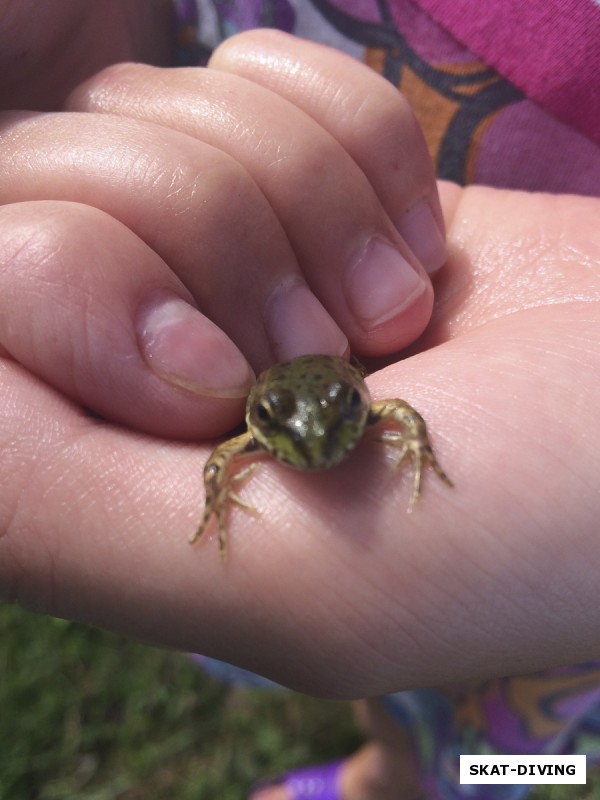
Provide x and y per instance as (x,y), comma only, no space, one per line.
(92,716)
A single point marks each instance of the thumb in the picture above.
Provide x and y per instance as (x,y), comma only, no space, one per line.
(94,312)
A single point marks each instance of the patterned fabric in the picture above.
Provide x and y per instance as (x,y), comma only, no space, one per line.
(501,89)
(547,713)
(508,94)
(550,50)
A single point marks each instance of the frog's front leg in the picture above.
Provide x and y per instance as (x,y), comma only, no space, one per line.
(218,480)
(412,439)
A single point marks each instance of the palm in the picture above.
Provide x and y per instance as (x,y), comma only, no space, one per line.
(336,579)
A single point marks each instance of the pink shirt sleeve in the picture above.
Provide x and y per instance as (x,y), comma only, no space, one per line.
(550,49)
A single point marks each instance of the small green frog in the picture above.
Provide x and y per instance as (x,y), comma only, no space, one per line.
(310,413)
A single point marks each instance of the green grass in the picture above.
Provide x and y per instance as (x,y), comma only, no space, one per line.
(88,715)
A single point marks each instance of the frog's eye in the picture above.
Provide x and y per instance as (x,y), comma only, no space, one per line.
(273,408)
(264,411)
(355,398)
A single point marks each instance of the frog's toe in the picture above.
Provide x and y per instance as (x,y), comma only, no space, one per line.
(198,533)
(201,529)
(441,474)
(234,498)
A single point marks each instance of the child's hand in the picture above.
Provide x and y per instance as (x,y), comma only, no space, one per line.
(335,588)
(217,220)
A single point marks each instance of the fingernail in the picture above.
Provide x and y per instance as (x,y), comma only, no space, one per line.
(297,324)
(380,284)
(419,229)
(187,350)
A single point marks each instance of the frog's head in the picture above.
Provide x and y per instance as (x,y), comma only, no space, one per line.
(307,415)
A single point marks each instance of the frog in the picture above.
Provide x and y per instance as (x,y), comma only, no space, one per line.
(310,413)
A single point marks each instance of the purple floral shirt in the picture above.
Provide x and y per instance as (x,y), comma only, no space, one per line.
(507,92)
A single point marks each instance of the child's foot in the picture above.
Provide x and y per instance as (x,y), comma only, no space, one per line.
(373,773)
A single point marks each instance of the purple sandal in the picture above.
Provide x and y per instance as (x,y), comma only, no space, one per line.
(321,782)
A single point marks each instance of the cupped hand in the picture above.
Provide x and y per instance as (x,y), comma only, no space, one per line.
(335,588)
(206,224)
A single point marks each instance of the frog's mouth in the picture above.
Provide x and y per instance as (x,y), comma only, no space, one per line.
(317,450)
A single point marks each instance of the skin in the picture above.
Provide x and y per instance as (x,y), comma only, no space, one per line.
(310,413)
(507,502)
(338,591)
(113,182)
(48,49)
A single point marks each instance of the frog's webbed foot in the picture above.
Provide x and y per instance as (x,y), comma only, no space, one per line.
(411,440)
(218,482)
